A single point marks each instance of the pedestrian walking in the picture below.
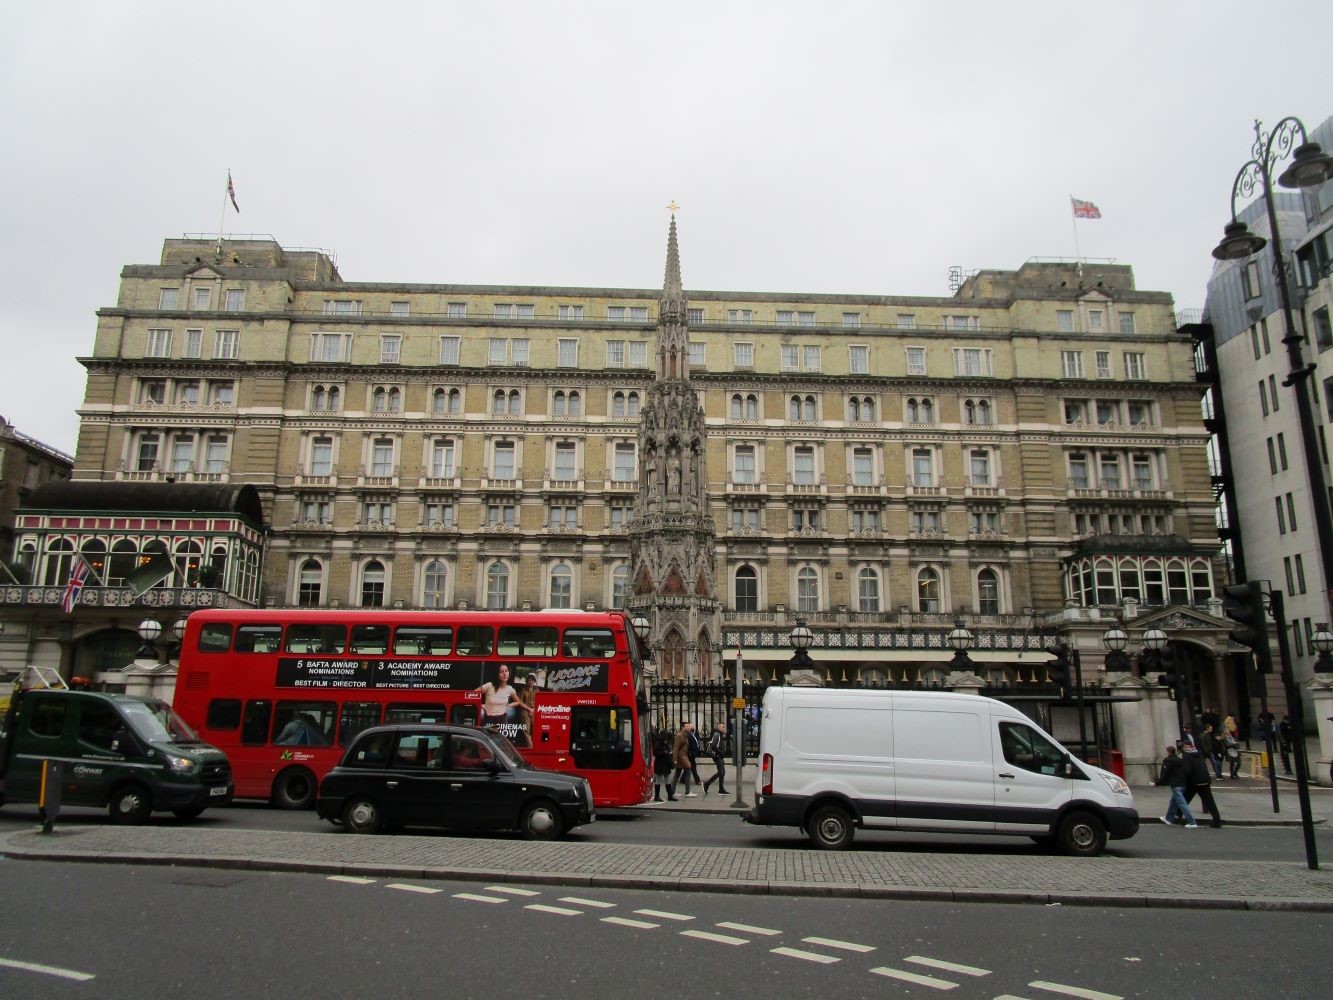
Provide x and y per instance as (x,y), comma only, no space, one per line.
(1212,749)
(680,758)
(1187,742)
(662,767)
(1231,750)
(696,751)
(1197,783)
(1174,774)
(717,744)
(1284,742)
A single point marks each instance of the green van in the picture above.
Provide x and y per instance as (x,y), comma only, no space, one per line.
(134,755)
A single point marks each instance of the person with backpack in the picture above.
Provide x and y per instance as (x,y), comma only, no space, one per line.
(717,743)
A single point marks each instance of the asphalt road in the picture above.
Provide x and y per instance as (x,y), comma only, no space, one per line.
(110,931)
(647,827)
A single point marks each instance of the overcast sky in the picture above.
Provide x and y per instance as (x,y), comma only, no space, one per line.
(816,147)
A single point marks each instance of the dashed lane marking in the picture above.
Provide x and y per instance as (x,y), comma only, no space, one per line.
(596,904)
(46,970)
(478,898)
(840,945)
(749,929)
(642,925)
(912,977)
(665,914)
(559,911)
(425,890)
(806,956)
(717,938)
(510,890)
(354,879)
(1073,991)
(935,963)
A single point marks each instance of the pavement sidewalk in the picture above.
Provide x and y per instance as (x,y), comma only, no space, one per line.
(871,874)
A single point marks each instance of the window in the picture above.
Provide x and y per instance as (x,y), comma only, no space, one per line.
(146,457)
(1107,412)
(568,404)
(620,515)
(1026,748)
(1263,397)
(747,589)
(569,312)
(627,314)
(1126,322)
(1095,320)
(1323,332)
(697,353)
(1102,359)
(963,322)
(803,465)
(153,390)
(977,412)
(203,298)
(968,361)
(744,407)
(928,591)
(1064,320)
(786,317)
(567,353)
(1078,471)
(1071,364)
(636,354)
(442,459)
(615,354)
(439,515)
(863,467)
(619,585)
(377,512)
(1136,365)
(501,515)
(434,583)
(182,453)
(497,586)
(502,460)
(923,467)
(1250,280)
(331,347)
(316,511)
(342,307)
(744,519)
(226,344)
(1272,393)
(813,358)
(867,590)
(187,393)
(858,359)
(984,522)
(1142,470)
(1139,412)
(167,299)
(920,411)
(381,457)
(851,321)
(562,517)
(391,345)
(386,399)
(310,584)
(743,466)
(807,589)
(372,584)
(321,456)
(906,321)
(159,344)
(562,586)
(400,308)
(1109,471)
(623,465)
(861,409)
(805,519)
(740,316)
(803,408)
(194,341)
(234,300)
(790,357)
(447,401)
(565,458)
(456,310)
(988,592)
(743,354)
(979,464)
(916,361)
(215,454)
(504,351)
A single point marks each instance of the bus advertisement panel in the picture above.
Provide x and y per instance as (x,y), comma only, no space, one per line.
(284,692)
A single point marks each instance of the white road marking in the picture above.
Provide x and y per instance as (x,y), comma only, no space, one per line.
(808,956)
(665,914)
(406,887)
(594,903)
(478,898)
(749,929)
(935,963)
(560,911)
(1074,991)
(718,938)
(912,977)
(354,879)
(511,890)
(46,970)
(842,945)
(643,925)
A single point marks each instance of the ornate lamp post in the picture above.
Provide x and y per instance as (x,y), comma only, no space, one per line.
(800,638)
(961,641)
(1322,641)
(150,630)
(1115,640)
(641,627)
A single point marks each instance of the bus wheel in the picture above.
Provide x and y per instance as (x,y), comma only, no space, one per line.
(362,816)
(830,828)
(131,804)
(1082,834)
(295,789)
(541,821)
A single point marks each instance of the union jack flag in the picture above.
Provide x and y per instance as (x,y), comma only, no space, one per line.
(231,193)
(78,576)
(1085,209)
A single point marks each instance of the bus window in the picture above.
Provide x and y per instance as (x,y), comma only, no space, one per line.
(397,715)
(476,640)
(423,641)
(223,713)
(356,716)
(463,715)
(370,640)
(524,641)
(254,724)
(589,644)
(316,639)
(600,738)
(258,638)
(304,723)
(215,638)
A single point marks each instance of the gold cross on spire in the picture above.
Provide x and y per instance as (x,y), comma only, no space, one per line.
(672,206)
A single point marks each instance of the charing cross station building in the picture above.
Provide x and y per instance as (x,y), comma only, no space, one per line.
(939,488)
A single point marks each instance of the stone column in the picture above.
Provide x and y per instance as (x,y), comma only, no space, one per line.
(1145,727)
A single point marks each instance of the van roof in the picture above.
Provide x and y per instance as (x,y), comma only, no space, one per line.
(816,695)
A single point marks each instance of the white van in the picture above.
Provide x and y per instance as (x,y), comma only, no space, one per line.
(835,759)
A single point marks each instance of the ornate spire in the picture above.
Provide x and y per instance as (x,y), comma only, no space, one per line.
(671,285)
(672,335)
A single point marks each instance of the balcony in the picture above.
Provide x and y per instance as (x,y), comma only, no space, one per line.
(744,487)
(927,492)
(572,485)
(37,597)
(188,475)
(621,486)
(440,483)
(382,479)
(983,489)
(185,407)
(875,489)
(501,485)
(810,489)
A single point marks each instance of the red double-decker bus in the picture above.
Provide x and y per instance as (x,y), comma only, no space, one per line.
(283,692)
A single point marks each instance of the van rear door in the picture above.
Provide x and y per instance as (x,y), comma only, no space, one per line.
(1030,788)
(942,755)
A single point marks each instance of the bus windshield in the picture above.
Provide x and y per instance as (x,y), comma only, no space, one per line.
(156,722)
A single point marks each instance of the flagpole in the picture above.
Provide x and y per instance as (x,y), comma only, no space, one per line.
(1073,221)
(222,221)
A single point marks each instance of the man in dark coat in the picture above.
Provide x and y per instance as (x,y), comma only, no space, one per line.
(1197,783)
(1175,774)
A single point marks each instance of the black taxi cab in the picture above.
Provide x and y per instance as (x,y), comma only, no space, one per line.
(456,777)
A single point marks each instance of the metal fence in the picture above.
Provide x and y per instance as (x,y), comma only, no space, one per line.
(706,703)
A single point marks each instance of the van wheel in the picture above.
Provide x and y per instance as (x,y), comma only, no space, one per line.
(131,804)
(830,828)
(541,821)
(1081,834)
(295,789)
(362,816)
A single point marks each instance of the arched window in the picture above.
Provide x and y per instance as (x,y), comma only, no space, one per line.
(558,404)
(808,412)
(618,404)
(867,590)
(395,400)
(501,403)
(94,554)
(497,586)
(751,406)
(562,586)
(433,581)
(124,557)
(737,406)
(335,397)
(379,399)
(575,404)
(928,591)
(633,400)
(988,592)
(795,408)
(59,562)
(372,584)
(807,589)
(747,589)
(310,584)
(619,582)
(514,397)
(455,401)
(318,398)
(188,556)
(157,547)
(439,401)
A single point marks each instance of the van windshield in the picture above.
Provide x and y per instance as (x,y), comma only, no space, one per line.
(156,722)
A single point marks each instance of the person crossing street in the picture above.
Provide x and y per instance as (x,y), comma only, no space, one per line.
(717,743)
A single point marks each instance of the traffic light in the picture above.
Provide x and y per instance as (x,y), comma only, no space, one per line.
(1170,678)
(1244,603)
(1057,670)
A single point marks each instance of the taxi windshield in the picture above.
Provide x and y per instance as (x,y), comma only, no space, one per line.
(156,722)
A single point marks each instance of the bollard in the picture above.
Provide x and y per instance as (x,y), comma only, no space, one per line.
(48,798)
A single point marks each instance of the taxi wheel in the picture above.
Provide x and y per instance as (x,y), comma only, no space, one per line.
(131,804)
(541,821)
(362,816)
(295,789)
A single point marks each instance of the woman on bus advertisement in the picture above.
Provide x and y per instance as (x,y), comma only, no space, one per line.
(501,706)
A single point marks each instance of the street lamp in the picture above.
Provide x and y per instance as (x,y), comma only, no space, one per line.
(1310,167)
(1322,641)
(961,641)
(801,637)
(1115,640)
(150,630)
(641,627)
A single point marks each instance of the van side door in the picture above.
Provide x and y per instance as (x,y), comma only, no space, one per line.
(942,754)
(102,741)
(39,733)
(1030,787)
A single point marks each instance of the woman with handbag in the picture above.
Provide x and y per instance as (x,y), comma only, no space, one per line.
(1231,746)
